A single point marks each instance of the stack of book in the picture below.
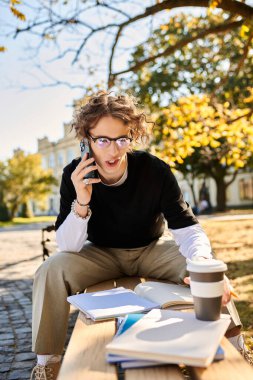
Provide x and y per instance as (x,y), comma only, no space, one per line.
(150,335)
(167,336)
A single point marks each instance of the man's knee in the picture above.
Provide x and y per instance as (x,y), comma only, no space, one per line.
(56,263)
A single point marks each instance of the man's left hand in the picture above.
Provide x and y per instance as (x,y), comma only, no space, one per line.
(227,287)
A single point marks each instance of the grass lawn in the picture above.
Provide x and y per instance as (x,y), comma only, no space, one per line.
(35,219)
(232,241)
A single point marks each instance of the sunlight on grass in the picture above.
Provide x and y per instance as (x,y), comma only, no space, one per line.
(232,242)
(35,219)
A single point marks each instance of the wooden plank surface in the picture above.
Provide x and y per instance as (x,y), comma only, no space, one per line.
(169,372)
(234,367)
(85,355)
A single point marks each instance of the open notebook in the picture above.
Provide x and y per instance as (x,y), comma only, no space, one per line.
(171,336)
(167,295)
(120,301)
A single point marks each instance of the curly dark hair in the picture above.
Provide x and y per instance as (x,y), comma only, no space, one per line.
(123,107)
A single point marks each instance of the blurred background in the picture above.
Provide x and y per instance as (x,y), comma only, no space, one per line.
(191,69)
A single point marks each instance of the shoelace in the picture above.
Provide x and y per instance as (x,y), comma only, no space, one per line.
(42,372)
(247,355)
(244,351)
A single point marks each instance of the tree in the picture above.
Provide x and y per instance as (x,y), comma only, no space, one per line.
(219,64)
(25,180)
(4,215)
(79,30)
(214,139)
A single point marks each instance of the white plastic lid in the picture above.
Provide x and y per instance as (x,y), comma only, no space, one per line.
(206,266)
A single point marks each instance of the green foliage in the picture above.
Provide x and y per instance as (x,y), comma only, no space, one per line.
(24,180)
(214,64)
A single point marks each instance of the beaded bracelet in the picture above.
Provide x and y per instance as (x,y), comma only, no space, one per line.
(73,210)
(81,204)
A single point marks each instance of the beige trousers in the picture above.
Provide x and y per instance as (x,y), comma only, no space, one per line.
(66,273)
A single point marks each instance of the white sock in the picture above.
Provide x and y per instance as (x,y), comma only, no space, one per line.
(45,359)
(237,341)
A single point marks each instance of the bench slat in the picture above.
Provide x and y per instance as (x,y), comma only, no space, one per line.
(161,373)
(85,356)
(101,286)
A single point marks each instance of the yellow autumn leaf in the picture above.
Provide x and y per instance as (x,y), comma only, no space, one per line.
(223,161)
(179,160)
(166,130)
(244,30)
(164,27)
(215,144)
(239,164)
(17,13)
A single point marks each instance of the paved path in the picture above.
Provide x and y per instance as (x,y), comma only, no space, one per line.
(20,256)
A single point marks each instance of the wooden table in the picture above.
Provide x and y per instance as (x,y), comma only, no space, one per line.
(85,355)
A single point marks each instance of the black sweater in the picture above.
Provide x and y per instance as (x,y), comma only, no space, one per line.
(131,215)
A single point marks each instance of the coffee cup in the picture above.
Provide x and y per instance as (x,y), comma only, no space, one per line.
(207,287)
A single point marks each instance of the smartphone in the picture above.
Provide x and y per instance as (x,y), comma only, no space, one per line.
(85,148)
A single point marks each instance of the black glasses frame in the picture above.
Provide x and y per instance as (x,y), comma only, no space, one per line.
(94,139)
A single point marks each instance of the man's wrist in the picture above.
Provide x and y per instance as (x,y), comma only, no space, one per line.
(81,204)
(81,212)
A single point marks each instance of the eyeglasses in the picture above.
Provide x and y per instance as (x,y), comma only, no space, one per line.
(103,142)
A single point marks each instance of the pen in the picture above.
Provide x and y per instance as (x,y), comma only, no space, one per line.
(234,294)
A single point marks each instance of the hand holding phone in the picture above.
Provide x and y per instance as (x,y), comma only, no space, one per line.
(85,148)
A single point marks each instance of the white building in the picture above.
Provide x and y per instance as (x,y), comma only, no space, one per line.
(239,193)
(56,155)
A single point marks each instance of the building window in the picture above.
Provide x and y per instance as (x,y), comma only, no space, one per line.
(70,155)
(60,159)
(51,160)
(246,189)
(44,163)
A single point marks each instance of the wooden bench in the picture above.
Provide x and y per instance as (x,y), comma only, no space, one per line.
(85,355)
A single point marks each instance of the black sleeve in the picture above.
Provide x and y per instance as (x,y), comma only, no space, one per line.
(67,195)
(176,211)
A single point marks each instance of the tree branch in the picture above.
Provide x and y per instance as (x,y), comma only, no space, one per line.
(236,71)
(245,53)
(232,179)
(179,45)
(240,117)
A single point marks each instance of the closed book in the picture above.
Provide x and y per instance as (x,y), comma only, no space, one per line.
(169,336)
(128,362)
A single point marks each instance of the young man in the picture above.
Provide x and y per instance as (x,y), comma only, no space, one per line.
(111,226)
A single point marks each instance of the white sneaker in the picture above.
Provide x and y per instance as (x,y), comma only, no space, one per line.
(46,372)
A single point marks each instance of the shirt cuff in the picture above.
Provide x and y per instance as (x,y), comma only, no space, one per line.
(193,242)
(72,233)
